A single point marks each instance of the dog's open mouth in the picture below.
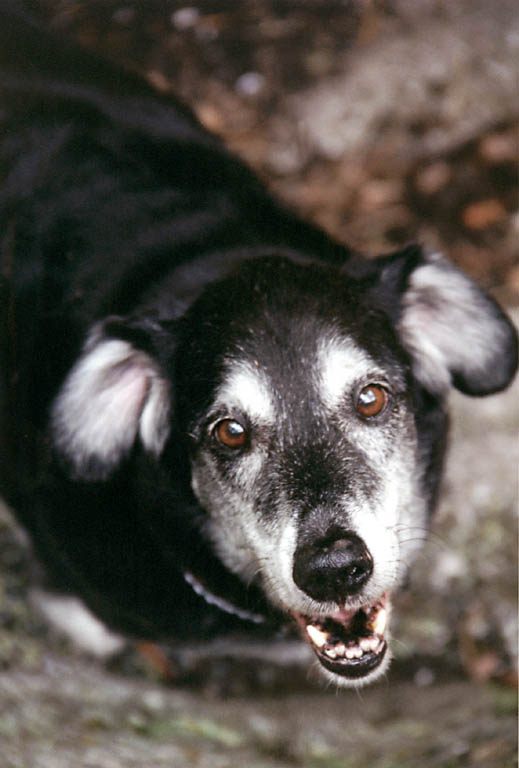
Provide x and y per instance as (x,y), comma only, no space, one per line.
(349,643)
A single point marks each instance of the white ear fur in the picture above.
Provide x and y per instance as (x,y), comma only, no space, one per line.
(454,331)
(113,394)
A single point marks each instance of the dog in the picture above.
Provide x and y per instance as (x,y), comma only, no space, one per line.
(218,417)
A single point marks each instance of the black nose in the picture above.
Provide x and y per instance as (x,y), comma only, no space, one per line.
(333,567)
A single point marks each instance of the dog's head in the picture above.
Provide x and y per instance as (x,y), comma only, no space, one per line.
(311,405)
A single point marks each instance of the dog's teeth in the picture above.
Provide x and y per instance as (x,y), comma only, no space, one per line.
(317,637)
(357,652)
(350,653)
(377,645)
(369,643)
(379,622)
(331,653)
(340,649)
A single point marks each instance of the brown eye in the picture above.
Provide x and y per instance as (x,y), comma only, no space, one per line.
(231,433)
(371,401)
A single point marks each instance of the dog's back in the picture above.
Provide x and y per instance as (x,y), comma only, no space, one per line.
(110,185)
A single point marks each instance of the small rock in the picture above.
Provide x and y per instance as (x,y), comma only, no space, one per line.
(250,84)
(432,178)
(499,148)
(379,193)
(159,81)
(424,677)
(185,18)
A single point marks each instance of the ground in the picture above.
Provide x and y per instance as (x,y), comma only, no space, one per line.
(76,715)
(384,121)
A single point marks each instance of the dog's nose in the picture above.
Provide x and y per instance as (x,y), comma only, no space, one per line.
(333,568)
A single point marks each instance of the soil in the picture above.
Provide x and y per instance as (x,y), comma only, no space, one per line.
(384,121)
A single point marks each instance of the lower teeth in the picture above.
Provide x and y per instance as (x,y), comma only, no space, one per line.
(366,645)
(326,639)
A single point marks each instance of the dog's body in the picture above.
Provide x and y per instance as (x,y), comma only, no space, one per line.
(218,417)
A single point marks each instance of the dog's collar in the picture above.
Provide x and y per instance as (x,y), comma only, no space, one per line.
(220,602)
(209,578)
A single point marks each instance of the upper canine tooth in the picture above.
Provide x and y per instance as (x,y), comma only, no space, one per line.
(380,621)
(317,637)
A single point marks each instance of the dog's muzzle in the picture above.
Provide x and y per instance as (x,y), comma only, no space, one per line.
(350,643)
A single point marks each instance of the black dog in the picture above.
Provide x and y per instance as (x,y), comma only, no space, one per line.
(217,415)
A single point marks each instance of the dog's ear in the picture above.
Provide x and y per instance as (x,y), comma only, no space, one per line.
(455,333)
(114,395)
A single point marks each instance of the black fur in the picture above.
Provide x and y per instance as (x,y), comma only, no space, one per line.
(120,213)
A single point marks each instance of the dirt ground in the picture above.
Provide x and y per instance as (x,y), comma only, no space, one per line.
(76,715)
(385,122)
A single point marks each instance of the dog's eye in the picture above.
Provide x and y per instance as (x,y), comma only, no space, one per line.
(371,401)
(231,433)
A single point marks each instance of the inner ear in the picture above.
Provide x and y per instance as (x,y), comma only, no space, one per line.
(456,334)
(114,395)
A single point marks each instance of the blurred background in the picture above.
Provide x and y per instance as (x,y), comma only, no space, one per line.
(384,122)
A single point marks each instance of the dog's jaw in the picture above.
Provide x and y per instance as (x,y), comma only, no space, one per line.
(352,641)
(352,646)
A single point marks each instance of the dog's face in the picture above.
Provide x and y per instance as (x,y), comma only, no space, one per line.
(311,407)
(306,461)
(306,454)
